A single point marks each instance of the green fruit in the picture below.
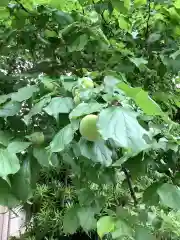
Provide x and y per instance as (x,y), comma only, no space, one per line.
(157,222)
(36,138)
(75,91)
(87,83)
(77,100)
(50,86)
(88,128)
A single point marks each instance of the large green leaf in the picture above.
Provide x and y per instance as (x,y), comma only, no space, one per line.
(96,151)
(122,229)
(70,160)
(24,93)
(62,138)
(127,4)
(86,218)
(37,108)
(85,108)
(5,138)
(98,34)
(86,196)
(4,13)
(105,225)
(170,63)
(142,99)
(59,105)
(154,37)
(143,233)
(71,221)
(169,195)
(123,23)
(21,181)
(9,163)
(138,62)
(44,157)
(6,196)
(79,43)
(119,5)
(139,2)
(9,109)
(18,147)
(121,125)
(177,4)
(4,98)
(62,18)
(150,195)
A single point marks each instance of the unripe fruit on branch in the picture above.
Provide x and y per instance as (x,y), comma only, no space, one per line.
(87,82)
(77,100)
(75,91)
(88,128)
(36,138)
(49,86)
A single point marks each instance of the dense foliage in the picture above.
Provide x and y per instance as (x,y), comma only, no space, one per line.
(116,172)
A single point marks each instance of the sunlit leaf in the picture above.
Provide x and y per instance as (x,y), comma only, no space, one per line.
(86,218)
(139,2)
(105,225)
(44,157)
(4,13)
(10,109)
(177,4)
(59,105)
(121,125)
(37,108)
(97,151)
(169,195)
(62,138)
(123,23)
(18,147)
(24,93)
(139,62)
(119,6)
(85,108)
(142,99)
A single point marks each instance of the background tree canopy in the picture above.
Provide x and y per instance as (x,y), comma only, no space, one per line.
(117,61)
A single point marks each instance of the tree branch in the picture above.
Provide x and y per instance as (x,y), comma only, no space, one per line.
(22,7)
(128,177)
(149,15)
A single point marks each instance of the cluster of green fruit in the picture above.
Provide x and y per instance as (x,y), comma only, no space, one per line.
(88,125)
(88,128)
(84,83)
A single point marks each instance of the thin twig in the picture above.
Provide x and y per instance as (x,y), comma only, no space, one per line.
(149,15)
(65,183)
(16,215)
(22,7)
(128,177)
